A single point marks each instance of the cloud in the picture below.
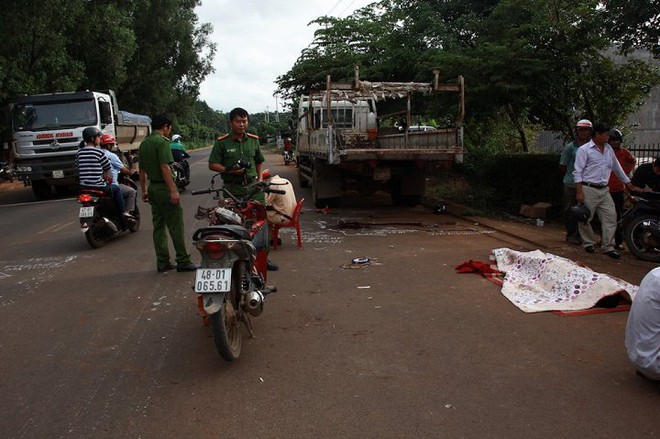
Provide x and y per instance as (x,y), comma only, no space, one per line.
(257,41)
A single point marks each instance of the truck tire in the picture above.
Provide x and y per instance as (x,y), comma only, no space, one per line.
(322,174)
(302,181)
(399,199)
(42,190)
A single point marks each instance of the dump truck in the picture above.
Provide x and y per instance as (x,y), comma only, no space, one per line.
(343,143)
(47,131)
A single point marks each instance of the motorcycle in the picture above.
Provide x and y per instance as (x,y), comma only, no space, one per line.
(231,281)
(180,179)
(6,172)
(288,157)
(99,217)
(642,226)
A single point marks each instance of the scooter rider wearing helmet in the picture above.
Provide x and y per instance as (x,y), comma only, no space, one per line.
(180,155)
(129,194)
(94,169)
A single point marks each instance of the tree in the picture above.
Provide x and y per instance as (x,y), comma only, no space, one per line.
(539,62)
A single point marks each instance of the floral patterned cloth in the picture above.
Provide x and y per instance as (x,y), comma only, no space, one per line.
(536,281)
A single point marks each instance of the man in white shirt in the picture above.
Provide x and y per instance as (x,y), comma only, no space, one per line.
(594,162)
(643,327)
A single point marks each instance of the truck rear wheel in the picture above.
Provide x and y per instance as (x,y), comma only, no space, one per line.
(302,181)
(42,190)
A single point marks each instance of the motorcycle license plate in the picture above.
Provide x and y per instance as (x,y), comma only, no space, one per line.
(87,212)
(212,280)
(58,174)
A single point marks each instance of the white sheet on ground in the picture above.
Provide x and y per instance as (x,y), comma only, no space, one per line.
(536,281)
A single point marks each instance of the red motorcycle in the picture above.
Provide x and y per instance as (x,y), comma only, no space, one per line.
(231,280)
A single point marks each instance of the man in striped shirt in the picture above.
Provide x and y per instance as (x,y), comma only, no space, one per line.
(94,170)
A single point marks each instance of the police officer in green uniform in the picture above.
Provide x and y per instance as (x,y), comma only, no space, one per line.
(235,146)
(239,145)
(163,196)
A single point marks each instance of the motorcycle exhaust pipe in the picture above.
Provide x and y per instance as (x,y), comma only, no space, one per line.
(111,225)
(254,303)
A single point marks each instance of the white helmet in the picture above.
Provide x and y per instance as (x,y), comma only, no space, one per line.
(176,138)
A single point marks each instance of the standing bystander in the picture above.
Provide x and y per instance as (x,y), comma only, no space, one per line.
(617,189)
(163,196)
(594,162)
(566,164)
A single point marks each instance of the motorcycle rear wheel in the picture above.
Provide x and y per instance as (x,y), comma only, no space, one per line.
(226,323)
(96,235)
(134,225)
(642,243)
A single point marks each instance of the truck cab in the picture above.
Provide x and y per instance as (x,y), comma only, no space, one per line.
(47,131)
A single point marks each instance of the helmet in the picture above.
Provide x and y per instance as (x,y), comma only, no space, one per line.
(176,138)
(89,133)
(226,216)
(584,123)
(616,135)
(107,138)
(265,174)
(581,212)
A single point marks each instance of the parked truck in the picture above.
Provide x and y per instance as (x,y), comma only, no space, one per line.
(343,143)
(47,130)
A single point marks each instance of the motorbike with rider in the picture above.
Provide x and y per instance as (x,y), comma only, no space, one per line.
(180,165)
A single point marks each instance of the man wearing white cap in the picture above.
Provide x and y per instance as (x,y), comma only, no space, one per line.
(566,164)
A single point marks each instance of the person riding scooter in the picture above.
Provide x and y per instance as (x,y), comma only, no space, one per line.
(129,194)
(95,170)
(180,155)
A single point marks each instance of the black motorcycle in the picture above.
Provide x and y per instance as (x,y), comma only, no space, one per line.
(6,172)
(180,179)
(99,217)
(642,226)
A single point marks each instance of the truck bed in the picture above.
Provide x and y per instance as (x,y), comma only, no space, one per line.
(438,145)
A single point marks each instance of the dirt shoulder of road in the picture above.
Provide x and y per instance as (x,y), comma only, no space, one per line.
(11,186)
(550,238)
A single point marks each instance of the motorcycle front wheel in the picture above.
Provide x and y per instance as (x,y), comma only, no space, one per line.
(641,241)
(226,323)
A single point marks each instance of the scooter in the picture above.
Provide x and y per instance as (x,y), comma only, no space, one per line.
(642,226)
(180,179)
(6,172)
(288,156)
(231,281)
(99,217)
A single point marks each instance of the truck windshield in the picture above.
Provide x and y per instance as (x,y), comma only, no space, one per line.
(39,116)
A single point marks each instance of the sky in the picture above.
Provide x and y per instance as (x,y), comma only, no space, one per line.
(257,41)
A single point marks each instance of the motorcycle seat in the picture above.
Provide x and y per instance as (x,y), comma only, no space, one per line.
(235,231)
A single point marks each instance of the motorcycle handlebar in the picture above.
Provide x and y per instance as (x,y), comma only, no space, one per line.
(201,191)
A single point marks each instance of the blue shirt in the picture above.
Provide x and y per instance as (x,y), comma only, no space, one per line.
(593,166)
(115,166)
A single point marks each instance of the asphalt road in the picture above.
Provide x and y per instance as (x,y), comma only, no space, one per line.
(95,343)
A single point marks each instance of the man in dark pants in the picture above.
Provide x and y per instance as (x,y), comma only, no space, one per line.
(163,196)
(239,145)
(566,164)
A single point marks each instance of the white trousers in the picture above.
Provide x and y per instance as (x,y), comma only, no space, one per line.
(599,201)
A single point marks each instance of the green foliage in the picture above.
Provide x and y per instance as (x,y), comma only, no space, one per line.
(527,63)
(153,53)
